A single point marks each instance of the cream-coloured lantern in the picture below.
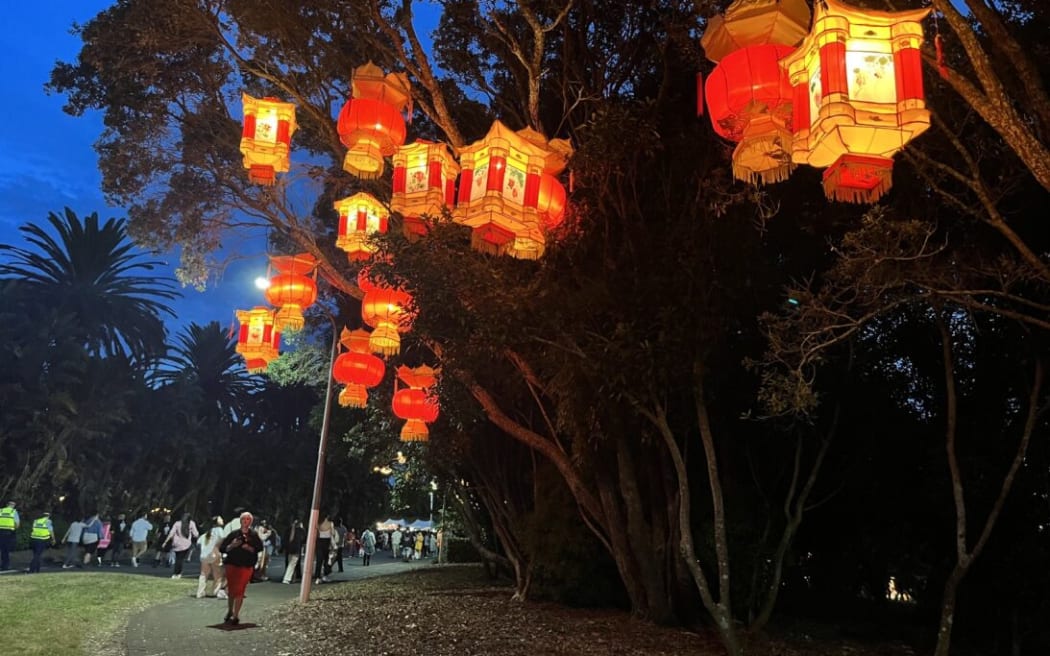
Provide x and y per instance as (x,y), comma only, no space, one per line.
(360,216)
(424,184)
(266,138)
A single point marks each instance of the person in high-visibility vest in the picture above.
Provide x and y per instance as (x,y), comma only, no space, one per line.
(41,538)
(9,523)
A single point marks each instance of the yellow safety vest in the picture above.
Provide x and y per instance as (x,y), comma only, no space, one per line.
(40,530)
(7,519)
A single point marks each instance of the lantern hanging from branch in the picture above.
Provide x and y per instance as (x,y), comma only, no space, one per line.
(385,309)
(259,339)
(292,289)
(755,22)
(356,368)
(266,138)
(416,403)
(424,184)
(370,123)
(360,216)
(499,190)
(858,96)
(749,100)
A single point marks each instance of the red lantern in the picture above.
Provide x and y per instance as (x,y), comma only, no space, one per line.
(266,137)
(370,124)
(357,369)
(499,190)
(386,310)
(360,216)
(416,404)
(749,98)
(293,289)
(550,203)
(258,339)
(424,184)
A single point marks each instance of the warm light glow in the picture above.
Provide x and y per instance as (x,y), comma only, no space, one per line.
(262,283)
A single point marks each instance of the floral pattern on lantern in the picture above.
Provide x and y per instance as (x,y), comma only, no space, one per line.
(266,137)
(499,189)
(356,368)
(370,123)
(416,403)
(259,339)
(385,309)
(360,216)
(858,96)
(292,289)
(424,184)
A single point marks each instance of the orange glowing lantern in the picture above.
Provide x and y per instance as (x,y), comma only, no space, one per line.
(258,340)
(370,123)
(755,22)
(386,310)
(424,184)
(416,403)
(360,216)
(293,289)
(356,368)
(749,100)
(499,190)
(266,139)
(859,96)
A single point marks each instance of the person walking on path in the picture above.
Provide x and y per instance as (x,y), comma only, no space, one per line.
(118,535)
(91,537)
(293,547)
(162,535)
(72,541)
(41,538)
(341,542)
(211,561)
(242,550)
(9,523)
(323,544)
(395,543)
(368,544)
(181,537)
(140,529)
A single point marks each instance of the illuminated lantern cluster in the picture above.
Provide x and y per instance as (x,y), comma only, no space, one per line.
(258,340)
(356,368)
(416,403)
(360,216)
(266,138)
(507,177)
(386,310)
(424,184)
(748,94)
(858,96)
(370,124)
(292,289)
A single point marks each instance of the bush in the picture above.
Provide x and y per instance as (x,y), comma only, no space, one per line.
(460,550)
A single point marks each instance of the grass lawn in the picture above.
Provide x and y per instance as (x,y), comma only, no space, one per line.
(69,614)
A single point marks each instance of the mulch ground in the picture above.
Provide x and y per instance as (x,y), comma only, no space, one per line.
(457,611)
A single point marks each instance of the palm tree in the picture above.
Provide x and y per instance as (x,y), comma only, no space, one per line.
(205,358)
(90,274)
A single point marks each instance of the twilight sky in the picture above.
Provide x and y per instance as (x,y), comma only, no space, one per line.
(46,158)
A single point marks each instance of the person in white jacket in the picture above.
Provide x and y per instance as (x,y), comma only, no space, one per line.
(211,559)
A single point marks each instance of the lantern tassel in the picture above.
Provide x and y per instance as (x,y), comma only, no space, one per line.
(938,45)
(699,94)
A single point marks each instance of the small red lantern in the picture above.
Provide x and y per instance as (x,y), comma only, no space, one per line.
(293,289)
(416,404)
(386,310)
(370,124)
(258,339)
(424,184)
(356,368)
(266,139)
(360,216)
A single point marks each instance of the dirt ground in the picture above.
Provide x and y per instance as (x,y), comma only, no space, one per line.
(457,611)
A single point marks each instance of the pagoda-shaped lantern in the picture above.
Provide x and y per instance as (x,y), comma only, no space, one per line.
(258,340)
(356,368)
(292,289)
(748,94)
(266,138)
(858,96)
(424,184)
(386,310)
(499,189)
(370,123)
(360,216)
(416,402)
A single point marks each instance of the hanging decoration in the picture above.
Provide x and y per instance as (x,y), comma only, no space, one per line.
(370,123)
(416,402)
(858,96)
(386,310)
(356,368)
(499,189)
(360,216)
(424,184)
(258,340)
(266,138)
(748,23)
(292,289)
